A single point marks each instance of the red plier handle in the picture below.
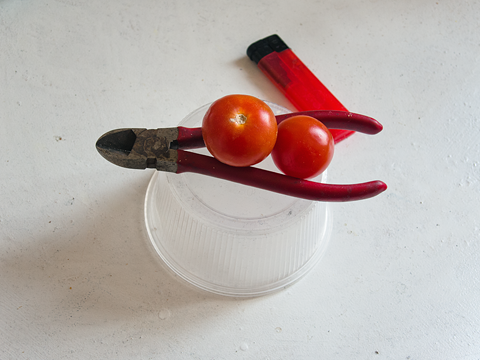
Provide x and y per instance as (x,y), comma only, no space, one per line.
(189,138)
(272,181)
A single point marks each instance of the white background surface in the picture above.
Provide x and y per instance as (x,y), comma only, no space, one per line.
(78,279)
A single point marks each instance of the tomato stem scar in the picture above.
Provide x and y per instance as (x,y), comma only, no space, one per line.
(240,119)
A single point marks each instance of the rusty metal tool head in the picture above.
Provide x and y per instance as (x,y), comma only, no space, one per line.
(140,148)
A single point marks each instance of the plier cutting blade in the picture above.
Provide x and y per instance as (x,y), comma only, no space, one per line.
(164,149)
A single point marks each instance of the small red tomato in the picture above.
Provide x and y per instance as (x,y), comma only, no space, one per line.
(304,147)
(239,130)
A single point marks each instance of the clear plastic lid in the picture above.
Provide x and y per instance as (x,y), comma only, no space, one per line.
(231,239)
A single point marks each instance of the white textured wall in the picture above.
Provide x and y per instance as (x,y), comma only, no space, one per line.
(78,279)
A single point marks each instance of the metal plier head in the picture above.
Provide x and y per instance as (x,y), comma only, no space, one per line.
(140,148)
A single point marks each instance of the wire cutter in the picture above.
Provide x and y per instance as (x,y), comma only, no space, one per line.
(164,149)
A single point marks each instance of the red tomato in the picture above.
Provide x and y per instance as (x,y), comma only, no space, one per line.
(304,147)
(239,130)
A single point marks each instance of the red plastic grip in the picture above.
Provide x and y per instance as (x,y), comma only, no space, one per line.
(271,181)
(189,138)
(340,120)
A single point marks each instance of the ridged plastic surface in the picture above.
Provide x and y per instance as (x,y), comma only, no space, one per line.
(232,239)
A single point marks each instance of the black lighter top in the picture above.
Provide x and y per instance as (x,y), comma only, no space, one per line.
(261,48)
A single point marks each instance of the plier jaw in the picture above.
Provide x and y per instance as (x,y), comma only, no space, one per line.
(139,148)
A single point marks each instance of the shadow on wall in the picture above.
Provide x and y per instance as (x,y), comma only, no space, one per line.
(101,269)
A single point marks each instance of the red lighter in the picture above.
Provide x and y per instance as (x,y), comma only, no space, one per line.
(290,75)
